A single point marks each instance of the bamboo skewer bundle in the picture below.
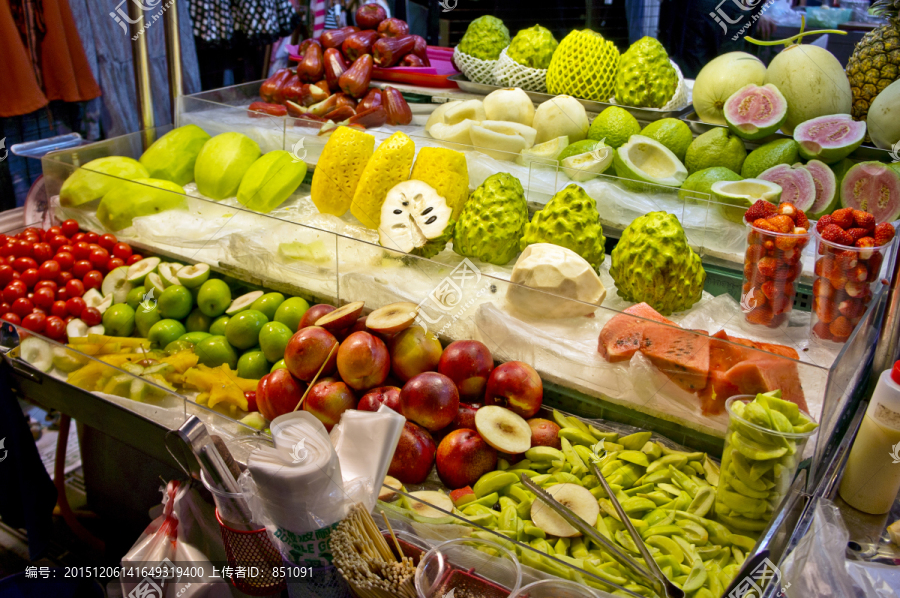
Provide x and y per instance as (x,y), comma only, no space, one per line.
(366,561)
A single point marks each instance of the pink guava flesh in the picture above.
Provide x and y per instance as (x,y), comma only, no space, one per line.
(873,187)
(797,185)
(826,188)
(829,138)
(753,108)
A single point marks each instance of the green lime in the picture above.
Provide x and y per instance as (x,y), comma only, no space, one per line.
(291,312)
(118,320)
(252,365)
(672,133)
(214,351)
(164,332)
(175,303)
(214,297)
(179,345)
(268,304)
(716,147)
(197,321)
(273,340)
(615,125)
(701,183)
(279,365)
(135,296)
(217,328)
(194,337)
(145,316)
(242,330)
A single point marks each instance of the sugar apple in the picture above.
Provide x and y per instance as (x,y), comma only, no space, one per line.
(569,220)
(646,78)
(415,219)
(485,38)
(492,221)
(533,47)
(584,66)
(653,263)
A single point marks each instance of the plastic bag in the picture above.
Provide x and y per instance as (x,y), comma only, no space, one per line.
(781,12)
(184,536)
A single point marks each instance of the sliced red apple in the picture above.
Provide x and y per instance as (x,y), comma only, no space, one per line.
(341,318)
(389,489)
(392,318)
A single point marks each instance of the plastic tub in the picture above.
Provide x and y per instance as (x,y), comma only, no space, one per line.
(471,566)
(555,588)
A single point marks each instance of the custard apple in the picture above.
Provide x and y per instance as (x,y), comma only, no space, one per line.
(415,219)
(569,220)
(584,66)
(533,47)
(653,263)
(485,38)
(646,78)
(492,221)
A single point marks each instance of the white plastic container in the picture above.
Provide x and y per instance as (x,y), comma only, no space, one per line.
(872,476)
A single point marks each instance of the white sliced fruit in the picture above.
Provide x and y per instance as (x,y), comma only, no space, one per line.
(67,360)
(37,353)
(193,276)
(168,273)
(154,282)
(438,115)
(437,499)
(392,318)
(243,302)
(543,153)
(389,488)
(511,128)
(502,429)
(584,167)
(466,110)
(92,297)
(577,498)
(458,133)
(115,282)
(139,270)
(76,328)
(98,329)
(107,302)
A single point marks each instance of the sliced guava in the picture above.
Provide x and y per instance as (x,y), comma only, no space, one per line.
(829,138)
(827,198)
(735,197)
(697,187)
(648,161)
(544,153)
(754,112)
(797,184)
(873,187)
(587,166)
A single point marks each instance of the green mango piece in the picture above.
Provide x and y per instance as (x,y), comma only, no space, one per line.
(663,475)
(773,401)
(493,481)
(740,503)
(606,571)
(743,523)
(601,435)
(703,501)
(222,163)
(488,500)
(637,505)
(659,498)
(577,436)
(693,531)
(659,517)
(741,488)
(634,456)
(675,460)
(752,449)
(270,181)
(803,428)
(684,482)
(635,491)
(534,532)
(505,502)
(142,197)
(668,546)
(652,450)
(97,178)
(755,413)
(625,541)
(662,530)
(744,542)
(635,441)
(172,156)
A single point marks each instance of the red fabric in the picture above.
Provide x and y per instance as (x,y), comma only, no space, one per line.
(67,74)
(21,93)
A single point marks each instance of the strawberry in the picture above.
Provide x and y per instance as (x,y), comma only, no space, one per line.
(754,237)
(838,279)
(786,208)
(801,220)
(754,254)
(824,309)
(843,218)
(835,234)
(824,266)
(786,272)
(846,260)
(851,308)
(789,256)
(764,224)
(754,297)
(767,266)
(857,233)
(760,315)
(857,290)
(858,273)
(760,209)
(782,223)
(823,222)
(840,328)
(782,304)
(873,265)
(821,331)
(884,232)
(822,288)
(863,220)
(768,289)
(865,243)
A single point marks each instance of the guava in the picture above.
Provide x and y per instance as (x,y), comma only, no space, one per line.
(797,184)
(873,187)
(829,138)
(827,197)
(754,112)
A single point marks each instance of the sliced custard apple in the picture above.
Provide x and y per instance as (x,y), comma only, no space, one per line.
(415,219)
(446,171)
(492,221)
(389,165)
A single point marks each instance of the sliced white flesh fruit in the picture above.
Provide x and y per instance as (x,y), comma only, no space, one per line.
(76,328)
(115,283)
(577,498)
(497,145)
(389,488)
(546,152)
(67,360)
(413,214)
(392,318)
(458,133)
(243,302)
(341,318)
(584,167)
(93,297)
(502,429)
(438,115)
(466,110)
(168,274)
(437,499)
(98,329)
(193,276)
(37,353)
(154,283)
(139,270)
(107,302)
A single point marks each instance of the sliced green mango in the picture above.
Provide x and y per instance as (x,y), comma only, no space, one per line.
(270,181)
(98,177)
(222,163)
(172,157)
(141,197)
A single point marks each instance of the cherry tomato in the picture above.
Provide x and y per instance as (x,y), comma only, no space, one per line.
(12,318)
(3,239)
(81,250)
(91,237)
(108,241)
(50,284)
(4,307)
(30,277)
(58,241)
(24,263)
(67,247)
(38,310)
(55,327)
(62,294)
(135,258)
(42,252)
(14,290)
(64,277)
(250,395)
(44,298)
(65,259)
(77,237)
(75,305)
(69,227)
(114,263)
(34,322)
(6,275)
(59,309)
(23,249)
(81,267)
(22,307)
(2,261)
(52,232)
(93,279)
(122,251)
(49,270)
(91,316)
(7,249)
(75,288)
(99,257)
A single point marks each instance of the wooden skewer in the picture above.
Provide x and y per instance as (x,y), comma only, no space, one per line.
(316,377)
(400,554)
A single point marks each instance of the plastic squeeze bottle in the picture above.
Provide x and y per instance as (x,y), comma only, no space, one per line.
(872,476)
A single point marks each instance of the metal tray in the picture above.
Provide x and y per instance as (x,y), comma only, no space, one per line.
(642,114)
(862,153)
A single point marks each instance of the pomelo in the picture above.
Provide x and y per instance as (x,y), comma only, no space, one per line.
(720,78)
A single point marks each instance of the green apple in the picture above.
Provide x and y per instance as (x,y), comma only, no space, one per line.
(193,276)
(291,312)
(213,351)
(145,316)
(214,297)
(164,332)
(179,345)
(135,296)
(153,283)
(279,365)
(217,328)
(116,284)
(175,303)
(194,337)
(167,273)
(197,321)
(118,320)
(242,330)
(268,304)
(252,365)
(273,339)
(138,271)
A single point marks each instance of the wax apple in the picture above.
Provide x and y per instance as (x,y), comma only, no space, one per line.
(516,386)
(369,16)
(414,455)
(463,457)
(431,400)
(278,393)
(307,350)
(383,395)
(313,314)
(327,400)
(544,433)
(413,351)
(363,361)
(468,364)
(465,416)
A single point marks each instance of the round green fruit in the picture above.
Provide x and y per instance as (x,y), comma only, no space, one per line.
(291,312)
(197,321)
(164,332)
(279,365)
(118,320)
(214,297)
(214,351)
(135,296)
(145,316)
(194,337)
(268,304)
(175,303)
(252,365)
(242,330)
(273,339)
(178,346)
(217,328)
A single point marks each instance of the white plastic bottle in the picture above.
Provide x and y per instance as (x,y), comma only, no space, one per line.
(871,479)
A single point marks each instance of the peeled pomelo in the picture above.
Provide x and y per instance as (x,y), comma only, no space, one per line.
(884,117)
(737,196)
(222,163)
(827,197)
(98,177)
(720,78)
(829,138)
(873,187)
(754,112)
(797,184)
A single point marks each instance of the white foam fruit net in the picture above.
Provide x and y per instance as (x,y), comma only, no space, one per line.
(680,99)
(475,69)
(510,73)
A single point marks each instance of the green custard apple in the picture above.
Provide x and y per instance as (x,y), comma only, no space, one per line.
(646,78)
(485,38)
(653,263)
(172,156)
(533,47)
(492,221)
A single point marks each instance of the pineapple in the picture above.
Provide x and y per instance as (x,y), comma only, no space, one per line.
(875,62)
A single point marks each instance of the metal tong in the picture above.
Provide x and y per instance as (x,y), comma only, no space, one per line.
(654,576)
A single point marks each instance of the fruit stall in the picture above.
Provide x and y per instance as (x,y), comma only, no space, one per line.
(572,271)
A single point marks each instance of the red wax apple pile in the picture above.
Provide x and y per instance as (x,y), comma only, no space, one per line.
(356,362)
(45,273)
